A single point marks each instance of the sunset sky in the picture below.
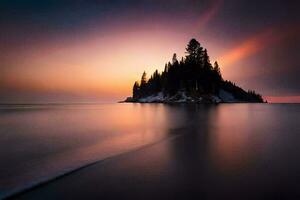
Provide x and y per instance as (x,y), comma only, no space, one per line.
(93,50)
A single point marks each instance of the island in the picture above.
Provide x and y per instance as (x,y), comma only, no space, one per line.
(193,79)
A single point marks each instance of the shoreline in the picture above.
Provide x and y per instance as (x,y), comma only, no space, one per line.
(200,103)
(39,184)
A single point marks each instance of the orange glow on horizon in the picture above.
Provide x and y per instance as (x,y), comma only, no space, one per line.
(102,62)
(107,62)
(283,99)
(96,66)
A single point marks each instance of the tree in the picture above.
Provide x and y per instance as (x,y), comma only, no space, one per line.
(144,79)
(206,60)
(157,82)
(166,68)
(143,86)
(135,90)
(193,65)
(194,51)
(217,68)
(174,59)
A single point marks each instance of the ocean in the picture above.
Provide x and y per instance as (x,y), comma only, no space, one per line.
(39,143)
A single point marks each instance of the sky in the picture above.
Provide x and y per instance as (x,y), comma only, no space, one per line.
(62,51)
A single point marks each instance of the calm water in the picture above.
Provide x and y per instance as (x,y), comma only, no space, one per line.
(39,142)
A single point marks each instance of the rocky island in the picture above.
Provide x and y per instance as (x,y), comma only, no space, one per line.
(193,79)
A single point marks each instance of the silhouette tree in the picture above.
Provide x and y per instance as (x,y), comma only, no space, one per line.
(144,79)
(174,59)
(206,60)
(193,75)
(143,86)
(194,51)
(135,90)
(217,68)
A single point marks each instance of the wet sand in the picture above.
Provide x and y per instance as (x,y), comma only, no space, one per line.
(177,168)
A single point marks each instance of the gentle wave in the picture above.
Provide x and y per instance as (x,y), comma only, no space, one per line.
(33,185)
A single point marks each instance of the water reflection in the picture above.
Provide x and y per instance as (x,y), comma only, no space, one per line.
(232,145)
(203,150)
(39,142)
(241,133)
(222,151)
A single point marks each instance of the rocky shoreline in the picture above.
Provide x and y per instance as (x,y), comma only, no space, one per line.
(182,97)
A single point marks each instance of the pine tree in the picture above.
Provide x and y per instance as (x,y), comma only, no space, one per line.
(217,68)
(206,60)
(194,52)
(135,90)
(174,59)
(143,86)
(192,49)
(144,79)
(166,68)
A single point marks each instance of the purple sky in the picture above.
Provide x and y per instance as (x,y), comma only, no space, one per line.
(93,50)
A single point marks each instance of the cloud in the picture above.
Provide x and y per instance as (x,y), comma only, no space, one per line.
(210,13)
(257,43)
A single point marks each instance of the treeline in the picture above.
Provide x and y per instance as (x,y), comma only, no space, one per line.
(239,93)
(194,74)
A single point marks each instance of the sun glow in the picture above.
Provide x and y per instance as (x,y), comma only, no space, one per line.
(98,65)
